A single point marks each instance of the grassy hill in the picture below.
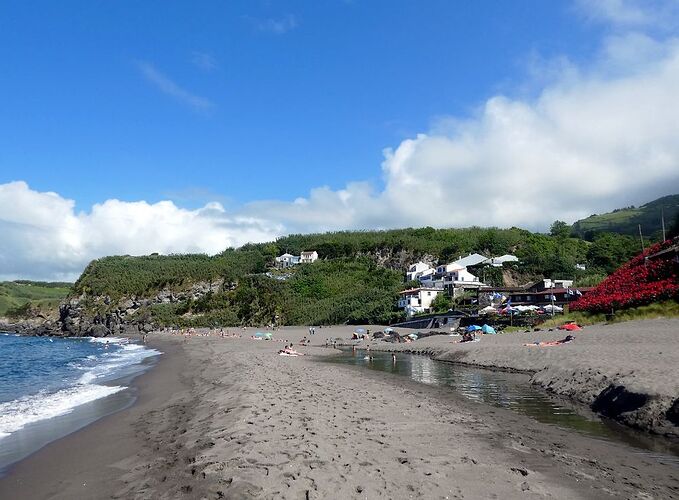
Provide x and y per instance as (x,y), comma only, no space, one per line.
(626,220)
(40,295)
(356,280)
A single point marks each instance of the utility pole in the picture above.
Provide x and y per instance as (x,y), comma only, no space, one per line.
(662,220)
(641,237)
(551,298)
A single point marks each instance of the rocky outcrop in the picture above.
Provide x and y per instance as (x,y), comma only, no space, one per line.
(101,316)
(398,260)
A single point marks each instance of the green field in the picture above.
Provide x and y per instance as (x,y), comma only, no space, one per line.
(627,220)
(41,295)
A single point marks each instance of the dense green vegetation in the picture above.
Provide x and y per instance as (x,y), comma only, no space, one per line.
(15,296)
(357,278)
(627,220)
(327,292)
(139,276)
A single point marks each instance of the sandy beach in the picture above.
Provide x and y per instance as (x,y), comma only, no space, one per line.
(229,418)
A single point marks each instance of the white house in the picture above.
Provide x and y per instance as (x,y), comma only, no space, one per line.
(308,257)
(417,299)
(427,279)
(498,261)
(460,275)
(287,260)
(417,270)
(445,269)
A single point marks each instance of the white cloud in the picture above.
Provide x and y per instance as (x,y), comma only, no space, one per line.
(44,238)
(277,26)
(204,61)
(632,13)
(169,87)
(594,138)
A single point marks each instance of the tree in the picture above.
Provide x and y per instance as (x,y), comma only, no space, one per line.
(609,251)
(674,228)
(441,303)
(560,229)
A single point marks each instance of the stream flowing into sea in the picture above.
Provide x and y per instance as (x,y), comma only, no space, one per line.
(514,392)
(50,387)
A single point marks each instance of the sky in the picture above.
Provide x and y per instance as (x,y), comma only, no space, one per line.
(176,126)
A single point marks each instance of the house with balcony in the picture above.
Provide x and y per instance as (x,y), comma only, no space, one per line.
(308,257)
(416,270)
(287,260)
(417,300)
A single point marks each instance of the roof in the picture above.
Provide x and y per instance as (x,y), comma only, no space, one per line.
(550,291)
(421,289)
(470,260)
(456,266)
(311,252)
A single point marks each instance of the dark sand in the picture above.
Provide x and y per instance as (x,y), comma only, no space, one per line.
(229,418)
(89,462)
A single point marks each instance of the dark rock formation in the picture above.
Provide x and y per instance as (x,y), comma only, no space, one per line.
(616,400)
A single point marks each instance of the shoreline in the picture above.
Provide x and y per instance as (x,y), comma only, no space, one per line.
(228,417)
(68,464)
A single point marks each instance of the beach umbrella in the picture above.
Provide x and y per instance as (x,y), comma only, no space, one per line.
(268,336)
(488,310)
(473,328)
(360,331)
(388,330)
(571,327)
(488,329)
(259,335)
(412,336)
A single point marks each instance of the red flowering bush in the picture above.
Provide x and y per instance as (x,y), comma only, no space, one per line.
(640,281)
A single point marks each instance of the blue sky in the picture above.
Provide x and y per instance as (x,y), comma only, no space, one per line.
(276,97)
(177,126)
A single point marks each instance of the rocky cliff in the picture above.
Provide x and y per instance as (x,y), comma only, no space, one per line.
(100,316)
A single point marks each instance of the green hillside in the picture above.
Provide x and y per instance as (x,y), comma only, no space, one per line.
(356,280)
(40,295)
(627,220)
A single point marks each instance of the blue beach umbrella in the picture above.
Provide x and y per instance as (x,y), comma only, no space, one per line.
(488,329)
(473,328)
(359,330)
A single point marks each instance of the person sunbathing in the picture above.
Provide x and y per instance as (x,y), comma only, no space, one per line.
(566,340)
(289,351)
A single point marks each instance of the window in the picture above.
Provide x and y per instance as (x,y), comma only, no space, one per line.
(547,297)
(428,294)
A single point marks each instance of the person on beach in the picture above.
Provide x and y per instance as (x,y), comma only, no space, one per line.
(566,340)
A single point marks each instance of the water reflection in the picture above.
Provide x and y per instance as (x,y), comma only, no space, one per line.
(509,390)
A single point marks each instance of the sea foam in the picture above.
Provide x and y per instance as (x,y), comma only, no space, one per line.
(21,412)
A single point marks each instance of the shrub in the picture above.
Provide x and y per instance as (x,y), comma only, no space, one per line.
(640,281)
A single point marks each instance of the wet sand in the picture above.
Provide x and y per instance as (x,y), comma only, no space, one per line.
(617,367)
(229,418)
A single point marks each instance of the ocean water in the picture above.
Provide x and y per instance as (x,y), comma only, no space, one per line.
(44,379)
